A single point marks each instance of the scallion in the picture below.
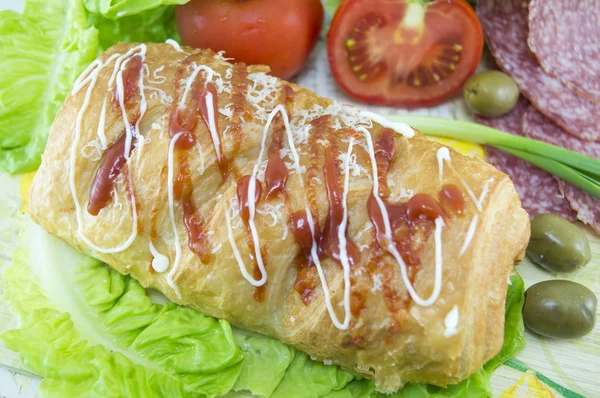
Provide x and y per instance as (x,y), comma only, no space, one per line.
(573,176)
(580,170)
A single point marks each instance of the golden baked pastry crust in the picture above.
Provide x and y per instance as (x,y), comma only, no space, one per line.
(390,338)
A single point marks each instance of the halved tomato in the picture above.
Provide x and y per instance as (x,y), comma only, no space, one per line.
(404,53)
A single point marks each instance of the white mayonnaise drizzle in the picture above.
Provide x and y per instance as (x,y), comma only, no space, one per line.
(101,127)
(485,190)
(117,68)
(209,76)
(170,170)
(314,247)
(470,235)
(89,77)
(439,259)
(471,194)
(451,322)
(160,262)
(388,244)
(251,195)
(116,76)
(341,230)
(188,87)
(139,151)
(81,82)
(158,79)
(175,45)
(201,154)
(442,154)
(285,229)
(238,256)
(217,248)
(441,158)
(399,127)
(209,101)
(129,132)
(473,226)
(212,125)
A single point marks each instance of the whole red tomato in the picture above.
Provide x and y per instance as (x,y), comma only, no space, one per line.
(277,33)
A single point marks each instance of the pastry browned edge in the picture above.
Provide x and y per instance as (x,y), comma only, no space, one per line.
(390,338)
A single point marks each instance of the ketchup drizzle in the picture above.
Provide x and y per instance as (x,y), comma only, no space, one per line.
(330,242)
(242,194)
(110,168)
(412,223)
(114,158)
(452,199)
(288,95)
(194,224)
(384,155)
(183,121)
(320,128)
(156,205)
(327,240)
(244,203)
(131,77)
(196,230)
(306,276)
(276,174)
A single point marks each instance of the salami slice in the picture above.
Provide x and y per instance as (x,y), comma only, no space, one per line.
(586,206)
(538,189)
(537,126)
(504,23)
(564,35)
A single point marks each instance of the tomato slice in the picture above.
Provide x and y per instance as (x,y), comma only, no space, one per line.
(404,53)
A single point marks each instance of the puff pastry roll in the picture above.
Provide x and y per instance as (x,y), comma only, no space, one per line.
(349,237)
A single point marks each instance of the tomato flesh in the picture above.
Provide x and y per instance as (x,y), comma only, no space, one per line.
(404,53)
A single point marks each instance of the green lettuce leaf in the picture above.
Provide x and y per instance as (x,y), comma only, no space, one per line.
(514,330)
(331,6)
(196,354)
(51,346)
(89,330)
(198,350)
(43,51)
(265,364)
(154,25)
(113,9)
(306,378)
(477,385)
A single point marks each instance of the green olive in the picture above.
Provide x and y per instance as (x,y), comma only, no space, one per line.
(491,93)
(560,309)
(558,245)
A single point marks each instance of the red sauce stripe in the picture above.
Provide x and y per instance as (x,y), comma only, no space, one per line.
(110,168)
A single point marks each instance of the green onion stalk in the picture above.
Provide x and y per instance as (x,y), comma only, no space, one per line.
(579,170)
